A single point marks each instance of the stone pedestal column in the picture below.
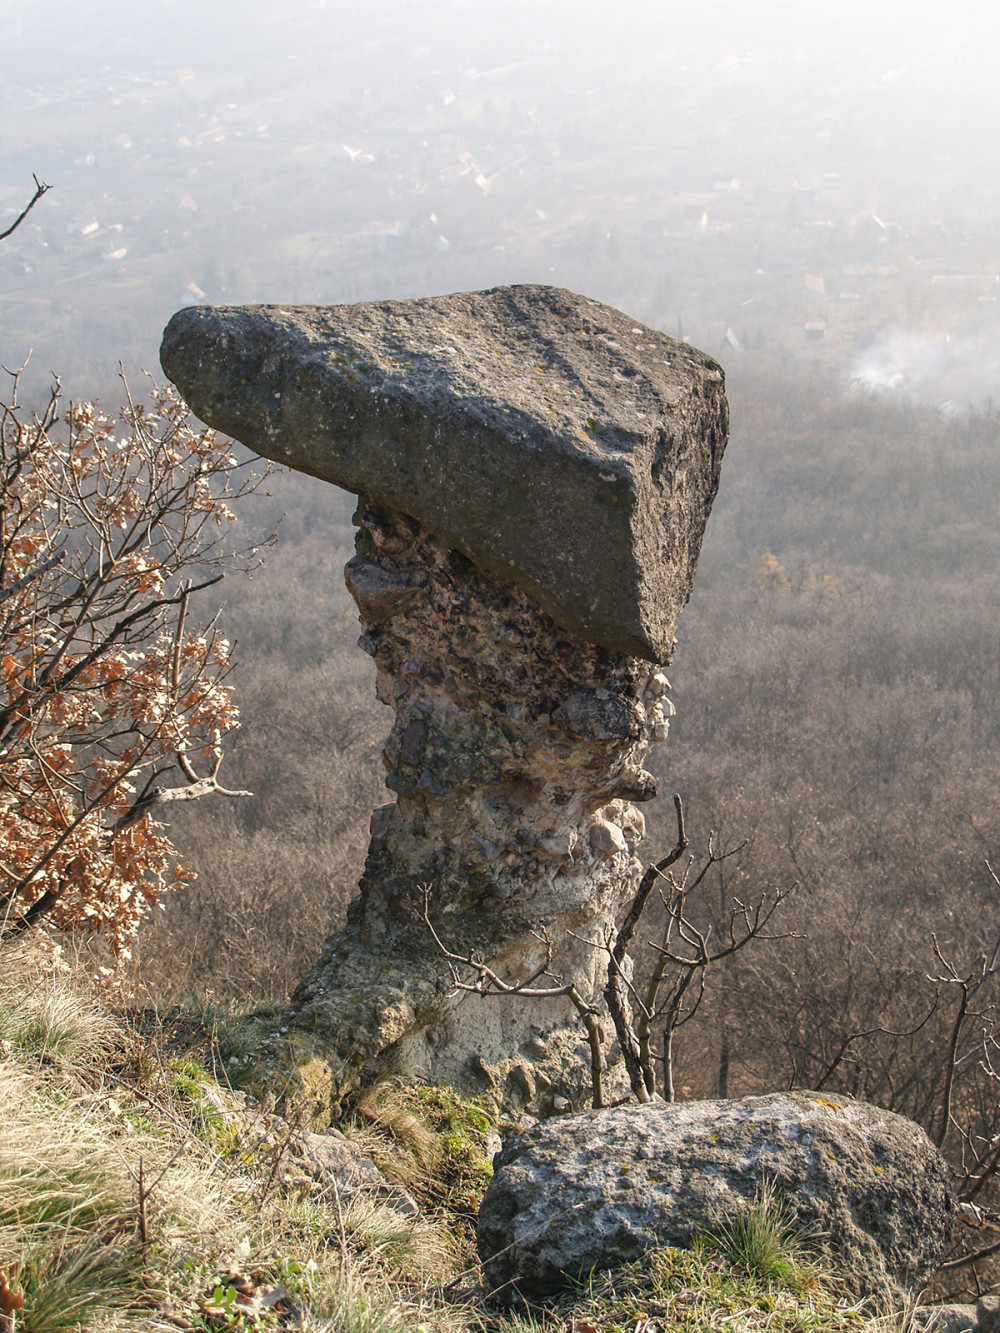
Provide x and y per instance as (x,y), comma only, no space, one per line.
(535,473)
(515,757)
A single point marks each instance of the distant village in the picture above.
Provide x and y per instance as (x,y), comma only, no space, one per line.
(177,187)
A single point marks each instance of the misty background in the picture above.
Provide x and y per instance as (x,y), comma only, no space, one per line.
(808,193)
(818,182)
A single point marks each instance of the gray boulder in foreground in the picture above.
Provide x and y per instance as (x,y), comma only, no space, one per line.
(595,1190)
(552,440)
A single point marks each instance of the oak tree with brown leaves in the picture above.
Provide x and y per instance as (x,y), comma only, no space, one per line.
(109,528)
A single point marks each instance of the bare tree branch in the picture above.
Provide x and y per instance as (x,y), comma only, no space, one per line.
(754,928)
(870,1032)
(964,1261)
(640,1079)
(489,983)
(969,986)
(56,558)
(40,189)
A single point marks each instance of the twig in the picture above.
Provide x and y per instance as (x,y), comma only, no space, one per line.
(969,986)
(968,1259)
(489,983)
(870,1032)
(40,189)
(55,559)
(588,1014)
(143,1196)
(639,1078)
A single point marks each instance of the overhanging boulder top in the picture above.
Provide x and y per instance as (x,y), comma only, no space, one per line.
(551,439)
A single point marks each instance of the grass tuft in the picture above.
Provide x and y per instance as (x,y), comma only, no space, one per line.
(356,1306)
(47,1019)
(71,1286)
(763,1240)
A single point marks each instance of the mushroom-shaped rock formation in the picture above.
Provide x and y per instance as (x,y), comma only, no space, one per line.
(534,473)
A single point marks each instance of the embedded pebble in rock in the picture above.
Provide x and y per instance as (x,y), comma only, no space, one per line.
(607,839)
(534,473)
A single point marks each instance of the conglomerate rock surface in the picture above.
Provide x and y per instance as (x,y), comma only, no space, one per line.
(551,439)
(597,1189)
(534,475)
(515,788)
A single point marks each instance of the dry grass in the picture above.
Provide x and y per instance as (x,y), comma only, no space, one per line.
(128,1199)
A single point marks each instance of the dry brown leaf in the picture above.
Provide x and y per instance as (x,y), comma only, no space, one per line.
(9,1300)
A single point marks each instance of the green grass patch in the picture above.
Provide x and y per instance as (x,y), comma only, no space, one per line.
(695,1290)
(762,1240)
(429,1140)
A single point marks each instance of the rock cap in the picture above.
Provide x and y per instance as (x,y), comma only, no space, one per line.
(552,440)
